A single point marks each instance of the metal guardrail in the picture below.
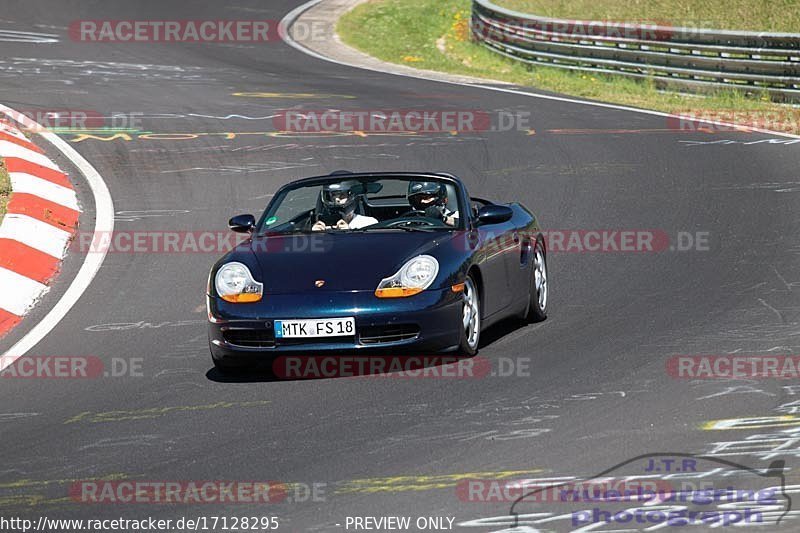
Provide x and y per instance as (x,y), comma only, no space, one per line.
(689,58)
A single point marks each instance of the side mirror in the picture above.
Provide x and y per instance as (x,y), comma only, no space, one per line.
(242,223)
(494,214)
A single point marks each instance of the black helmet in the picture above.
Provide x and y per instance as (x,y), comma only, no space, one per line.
(339,196)
(422,195)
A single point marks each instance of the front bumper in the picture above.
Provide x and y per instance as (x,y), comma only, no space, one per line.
(426,322)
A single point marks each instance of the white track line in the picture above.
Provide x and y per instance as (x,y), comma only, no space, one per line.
(58,194)
(289,19)
(104,224)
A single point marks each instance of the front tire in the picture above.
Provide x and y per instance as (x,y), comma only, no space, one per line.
(470,318)
(539,287)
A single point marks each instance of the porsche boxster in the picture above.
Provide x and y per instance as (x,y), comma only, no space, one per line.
(374,262)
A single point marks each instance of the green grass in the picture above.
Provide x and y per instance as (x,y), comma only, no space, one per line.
(5,189)
(434,34)
(756,15)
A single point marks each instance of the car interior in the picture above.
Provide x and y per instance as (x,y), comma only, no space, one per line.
(385,200)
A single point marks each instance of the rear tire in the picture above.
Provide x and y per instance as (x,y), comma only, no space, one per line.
(539,286)
(470,318)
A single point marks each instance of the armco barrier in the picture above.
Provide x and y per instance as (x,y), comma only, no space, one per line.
(688,58)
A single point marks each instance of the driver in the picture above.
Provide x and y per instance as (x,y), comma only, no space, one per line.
(338,202)
(429,199)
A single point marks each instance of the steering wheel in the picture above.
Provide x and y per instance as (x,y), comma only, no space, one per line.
(421,221)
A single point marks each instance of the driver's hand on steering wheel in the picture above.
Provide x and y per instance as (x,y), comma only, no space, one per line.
(342,224)
(318,226)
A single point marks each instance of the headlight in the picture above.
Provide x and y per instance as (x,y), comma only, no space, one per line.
(235,284)
(412,278)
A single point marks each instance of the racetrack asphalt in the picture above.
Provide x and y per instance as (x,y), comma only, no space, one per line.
(597,391)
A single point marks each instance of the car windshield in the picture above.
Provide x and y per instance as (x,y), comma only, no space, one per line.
(360,204)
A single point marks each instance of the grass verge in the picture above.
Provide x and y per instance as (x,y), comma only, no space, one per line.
(5,189)
(434,34)
(755,15)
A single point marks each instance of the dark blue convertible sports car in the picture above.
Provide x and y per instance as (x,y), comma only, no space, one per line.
(374,262)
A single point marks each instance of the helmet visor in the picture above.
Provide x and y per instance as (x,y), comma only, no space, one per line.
(337,198)
(426,199)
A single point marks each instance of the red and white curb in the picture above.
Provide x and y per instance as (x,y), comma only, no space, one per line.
(41,218)
(103,225)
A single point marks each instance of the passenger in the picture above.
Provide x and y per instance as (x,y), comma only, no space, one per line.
(429,199)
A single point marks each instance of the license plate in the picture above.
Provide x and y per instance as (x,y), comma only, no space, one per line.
(312,328)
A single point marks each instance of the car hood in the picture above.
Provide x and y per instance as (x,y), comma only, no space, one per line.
(344,261)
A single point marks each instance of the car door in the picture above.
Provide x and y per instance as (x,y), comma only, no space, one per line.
(499,264)
(519,258)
